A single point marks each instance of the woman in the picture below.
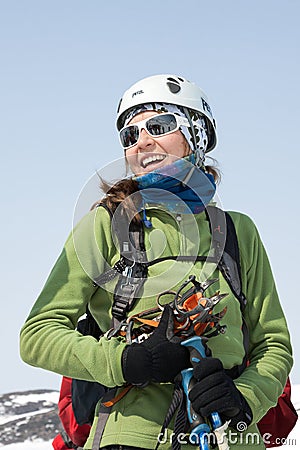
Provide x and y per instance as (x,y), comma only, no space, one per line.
(166,128)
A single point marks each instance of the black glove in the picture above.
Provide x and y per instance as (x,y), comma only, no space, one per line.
(158,358)
(216,392)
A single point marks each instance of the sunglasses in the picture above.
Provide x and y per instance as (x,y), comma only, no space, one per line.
(155,126)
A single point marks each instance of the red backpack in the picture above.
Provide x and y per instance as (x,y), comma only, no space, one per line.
(73,433)
(279,421)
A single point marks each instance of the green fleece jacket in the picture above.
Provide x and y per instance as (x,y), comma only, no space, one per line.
(48,339)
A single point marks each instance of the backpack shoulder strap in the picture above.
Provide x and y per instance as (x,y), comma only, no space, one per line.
(226,249)
(131,268)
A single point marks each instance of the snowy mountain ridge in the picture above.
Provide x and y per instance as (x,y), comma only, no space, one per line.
(28,416)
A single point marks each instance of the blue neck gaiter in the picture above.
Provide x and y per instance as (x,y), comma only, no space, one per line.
(180,187)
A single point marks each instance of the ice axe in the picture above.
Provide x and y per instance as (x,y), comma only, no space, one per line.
(200,429)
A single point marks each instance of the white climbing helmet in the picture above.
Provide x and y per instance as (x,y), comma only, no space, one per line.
(170,89)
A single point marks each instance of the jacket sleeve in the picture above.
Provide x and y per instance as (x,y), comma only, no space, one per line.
(48,338)
(270,353)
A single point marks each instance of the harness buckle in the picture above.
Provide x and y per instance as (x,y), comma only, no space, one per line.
(127,272)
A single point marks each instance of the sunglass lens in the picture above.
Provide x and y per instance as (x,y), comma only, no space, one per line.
(158,126)
(129,136)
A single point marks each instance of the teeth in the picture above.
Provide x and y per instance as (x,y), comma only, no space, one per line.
(151,159)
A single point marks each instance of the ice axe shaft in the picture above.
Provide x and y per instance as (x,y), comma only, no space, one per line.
(200,429)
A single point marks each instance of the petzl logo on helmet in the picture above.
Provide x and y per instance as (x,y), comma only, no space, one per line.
(137,93)
(206,107)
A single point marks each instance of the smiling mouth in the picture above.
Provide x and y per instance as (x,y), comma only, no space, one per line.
(152,160)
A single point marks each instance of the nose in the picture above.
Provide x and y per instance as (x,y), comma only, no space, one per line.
(145,141)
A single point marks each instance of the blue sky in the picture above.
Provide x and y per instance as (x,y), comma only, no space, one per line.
(64,66)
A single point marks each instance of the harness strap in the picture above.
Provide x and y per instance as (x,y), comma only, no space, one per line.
(132,266)
(177,403)
(113,401)
(102,418)
(108,401)
(150,322)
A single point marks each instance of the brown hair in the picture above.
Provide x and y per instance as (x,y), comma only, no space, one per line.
(116,193)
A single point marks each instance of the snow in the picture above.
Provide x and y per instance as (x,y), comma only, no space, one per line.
(9,418)
(45,401)
(21,399)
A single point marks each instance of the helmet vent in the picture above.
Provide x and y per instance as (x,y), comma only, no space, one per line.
(173,85)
